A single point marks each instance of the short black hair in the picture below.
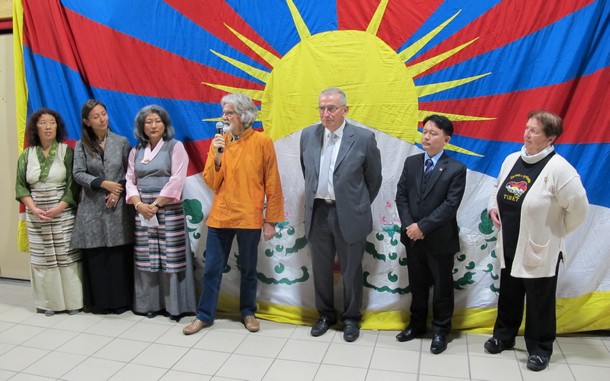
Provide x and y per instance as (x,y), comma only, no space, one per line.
(441,122)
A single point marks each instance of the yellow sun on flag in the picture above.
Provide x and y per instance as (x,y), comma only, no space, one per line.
(378,84)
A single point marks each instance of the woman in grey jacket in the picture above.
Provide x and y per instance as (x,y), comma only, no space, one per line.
(104,225)
(539,199)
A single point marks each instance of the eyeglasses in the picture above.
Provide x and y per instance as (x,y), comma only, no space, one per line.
(51,123)
(228,113)
(331,109)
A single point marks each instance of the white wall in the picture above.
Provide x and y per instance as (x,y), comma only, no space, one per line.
(13,264)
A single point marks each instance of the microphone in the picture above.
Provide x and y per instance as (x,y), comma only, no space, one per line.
(219,130)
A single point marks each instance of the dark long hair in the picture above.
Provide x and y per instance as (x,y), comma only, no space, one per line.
(31,130)
(88,138)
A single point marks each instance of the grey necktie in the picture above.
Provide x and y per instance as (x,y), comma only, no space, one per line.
(428,166)
(323,180)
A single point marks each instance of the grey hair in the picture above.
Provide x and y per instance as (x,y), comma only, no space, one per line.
(138,129)
(335,90)
(244,107)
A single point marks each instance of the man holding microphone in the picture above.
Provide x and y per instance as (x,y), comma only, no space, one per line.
(242,171)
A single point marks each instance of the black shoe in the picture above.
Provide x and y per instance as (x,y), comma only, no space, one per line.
(351,330)
(151,315)
(409,334)
(321,326)
(537,362)
(439,344)
(120,310)
(494,345)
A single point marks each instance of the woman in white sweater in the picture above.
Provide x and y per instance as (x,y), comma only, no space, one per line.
(539,199)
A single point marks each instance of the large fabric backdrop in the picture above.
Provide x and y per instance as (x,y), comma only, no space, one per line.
(482,63)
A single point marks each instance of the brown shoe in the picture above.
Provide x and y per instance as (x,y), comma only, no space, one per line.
(251,323)
(195,326)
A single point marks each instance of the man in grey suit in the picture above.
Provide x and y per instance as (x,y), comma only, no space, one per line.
(428,195)
(342,168)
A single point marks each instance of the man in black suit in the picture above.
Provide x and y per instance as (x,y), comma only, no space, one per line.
(429,193)
(342,168)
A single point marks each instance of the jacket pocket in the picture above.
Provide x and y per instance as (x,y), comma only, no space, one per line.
(535,254)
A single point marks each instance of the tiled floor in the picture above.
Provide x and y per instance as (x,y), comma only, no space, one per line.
(130,347)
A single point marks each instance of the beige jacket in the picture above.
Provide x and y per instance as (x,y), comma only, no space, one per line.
(554,206)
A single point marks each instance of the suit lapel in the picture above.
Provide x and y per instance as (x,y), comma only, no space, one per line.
(347,141)
(418,170)
(316,147)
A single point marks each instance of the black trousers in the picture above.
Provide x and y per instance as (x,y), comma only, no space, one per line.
(326,241)
(540,314)
(425,270)
(108,278)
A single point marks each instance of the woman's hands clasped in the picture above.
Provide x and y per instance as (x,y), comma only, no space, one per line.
(147,210)
(114,192)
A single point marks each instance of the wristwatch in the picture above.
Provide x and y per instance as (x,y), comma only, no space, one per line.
(155,204)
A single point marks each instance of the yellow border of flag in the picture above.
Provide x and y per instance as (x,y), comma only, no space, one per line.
(576,314)
(21,94)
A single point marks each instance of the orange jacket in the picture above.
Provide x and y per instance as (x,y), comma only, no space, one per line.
(248,176)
